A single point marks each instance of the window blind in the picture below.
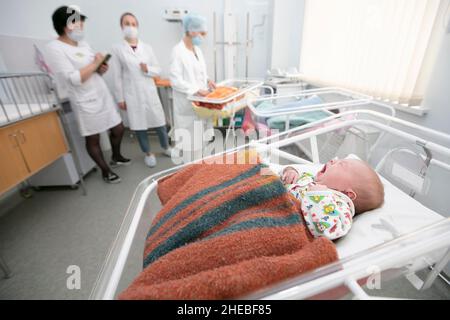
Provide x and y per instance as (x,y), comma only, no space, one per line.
(378,47)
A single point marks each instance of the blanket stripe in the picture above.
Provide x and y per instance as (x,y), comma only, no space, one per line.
(215,216)
(200,207)
(262,222)
(253,213)
(253,171)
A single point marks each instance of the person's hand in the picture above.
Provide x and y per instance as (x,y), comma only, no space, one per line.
(202,93)
(211,85)
(290,176)
(98,59)
(122,105)
(317,187)
(103,69)
(144,67)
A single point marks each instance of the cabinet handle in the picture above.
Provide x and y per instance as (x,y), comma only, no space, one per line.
(13,139)
(22,134)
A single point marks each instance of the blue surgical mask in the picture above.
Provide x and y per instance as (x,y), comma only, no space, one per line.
(197,40)
(76,35)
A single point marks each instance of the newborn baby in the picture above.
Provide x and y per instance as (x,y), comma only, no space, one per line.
(331,198)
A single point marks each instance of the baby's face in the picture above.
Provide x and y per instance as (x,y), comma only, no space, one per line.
(341,175)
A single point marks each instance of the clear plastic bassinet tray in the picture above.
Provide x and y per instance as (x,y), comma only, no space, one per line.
(242,86)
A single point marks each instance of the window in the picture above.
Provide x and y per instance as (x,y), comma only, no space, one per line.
(380,47)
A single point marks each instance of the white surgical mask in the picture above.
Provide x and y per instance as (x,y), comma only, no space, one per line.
(130,32)
(76,35)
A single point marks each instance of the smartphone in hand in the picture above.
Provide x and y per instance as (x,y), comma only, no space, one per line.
(105,61)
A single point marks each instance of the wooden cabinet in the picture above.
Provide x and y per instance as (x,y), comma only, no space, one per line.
(12,166)
(28,146)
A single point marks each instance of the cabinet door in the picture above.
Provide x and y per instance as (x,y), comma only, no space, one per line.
(41,140)
(13,169)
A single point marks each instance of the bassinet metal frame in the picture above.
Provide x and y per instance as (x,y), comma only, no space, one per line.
(348,272)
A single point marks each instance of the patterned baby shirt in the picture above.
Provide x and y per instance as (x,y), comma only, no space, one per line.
(328,213)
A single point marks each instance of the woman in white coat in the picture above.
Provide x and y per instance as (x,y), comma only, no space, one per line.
(188,76)
(134,66)
(74,63)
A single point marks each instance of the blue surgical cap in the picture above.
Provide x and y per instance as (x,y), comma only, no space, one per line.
(194,23)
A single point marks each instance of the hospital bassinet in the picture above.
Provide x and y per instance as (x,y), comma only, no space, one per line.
(409,233)
(227,111)
(228,104)
(274,113)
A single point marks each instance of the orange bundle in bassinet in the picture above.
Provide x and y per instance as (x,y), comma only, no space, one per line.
(219,93)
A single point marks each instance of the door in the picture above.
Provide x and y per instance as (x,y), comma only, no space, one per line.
(13,168)
(41,140)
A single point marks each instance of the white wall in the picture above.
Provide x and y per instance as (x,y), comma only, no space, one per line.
(17,53)
(33,19)
(260,28)
(437,96)
(30,18)
(287,33)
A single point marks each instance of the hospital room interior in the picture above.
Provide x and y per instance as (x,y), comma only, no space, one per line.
(225,149)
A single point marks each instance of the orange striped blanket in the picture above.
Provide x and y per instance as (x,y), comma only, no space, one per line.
(224,232)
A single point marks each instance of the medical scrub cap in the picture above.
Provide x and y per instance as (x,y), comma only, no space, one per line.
(194,23)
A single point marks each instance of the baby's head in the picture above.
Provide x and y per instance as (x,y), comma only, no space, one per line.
(357,180)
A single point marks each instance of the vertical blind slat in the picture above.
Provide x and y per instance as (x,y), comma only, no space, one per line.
(374,46)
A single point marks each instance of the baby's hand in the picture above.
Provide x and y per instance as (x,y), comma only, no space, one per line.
(317,187)
(290,176)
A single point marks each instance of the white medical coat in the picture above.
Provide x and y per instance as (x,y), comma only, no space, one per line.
(91,101)
(136,88)
(187,75)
